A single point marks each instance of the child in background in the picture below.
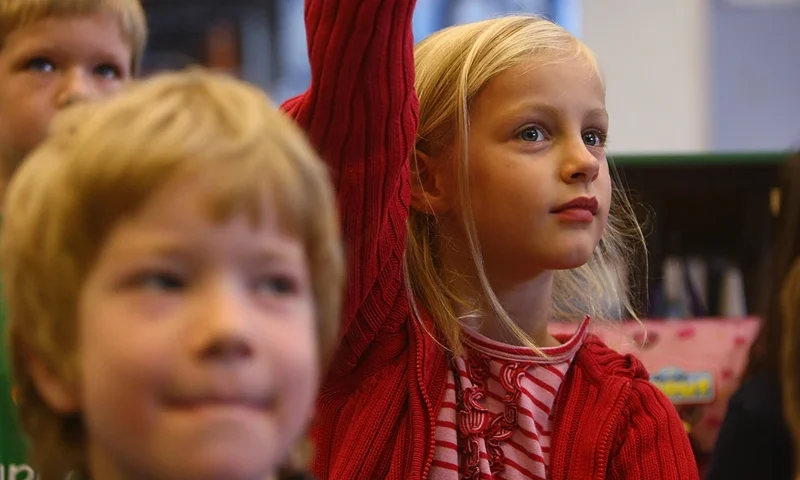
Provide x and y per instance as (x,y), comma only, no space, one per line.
(452,373)
(54,53)
(754,440)
(171,301)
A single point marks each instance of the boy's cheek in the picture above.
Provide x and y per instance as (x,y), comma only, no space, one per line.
(113,88)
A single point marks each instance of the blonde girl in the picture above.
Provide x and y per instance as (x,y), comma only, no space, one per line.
(472,217)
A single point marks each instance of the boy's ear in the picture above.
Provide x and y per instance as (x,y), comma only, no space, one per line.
(431,185)
(54,390)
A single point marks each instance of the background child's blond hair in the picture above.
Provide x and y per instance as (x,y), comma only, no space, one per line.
(15,14)
(452,66)
(101,163)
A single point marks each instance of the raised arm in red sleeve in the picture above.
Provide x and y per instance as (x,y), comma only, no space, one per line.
(361,114)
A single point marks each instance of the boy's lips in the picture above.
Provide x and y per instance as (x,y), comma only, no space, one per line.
(223,395)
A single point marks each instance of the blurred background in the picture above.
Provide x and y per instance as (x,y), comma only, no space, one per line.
(683,76)
(704,99)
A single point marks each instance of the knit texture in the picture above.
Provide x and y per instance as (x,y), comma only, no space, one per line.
(378,407)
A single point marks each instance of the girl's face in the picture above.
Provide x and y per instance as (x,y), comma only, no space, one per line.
(539,180)
(198,347)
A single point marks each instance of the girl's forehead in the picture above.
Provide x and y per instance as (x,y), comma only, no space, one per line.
(572,88)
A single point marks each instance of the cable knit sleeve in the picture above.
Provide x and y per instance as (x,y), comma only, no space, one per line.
(653,444)
(360,113)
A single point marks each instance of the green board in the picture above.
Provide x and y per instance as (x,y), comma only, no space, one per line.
(700,159)
(12,445)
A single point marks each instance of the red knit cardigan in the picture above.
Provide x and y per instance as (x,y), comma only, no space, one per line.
(380,401)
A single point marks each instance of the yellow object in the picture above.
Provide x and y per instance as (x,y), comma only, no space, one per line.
(775,201)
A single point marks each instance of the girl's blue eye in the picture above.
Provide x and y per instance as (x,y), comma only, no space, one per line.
(593,138)
(532,134)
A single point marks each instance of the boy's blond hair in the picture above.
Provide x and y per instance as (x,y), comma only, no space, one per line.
(452,66)
(15,14)
(102,162)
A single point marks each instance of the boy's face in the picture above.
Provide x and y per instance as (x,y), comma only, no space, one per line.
(50,64)
(197,347)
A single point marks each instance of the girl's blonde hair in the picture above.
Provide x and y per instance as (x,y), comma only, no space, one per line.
(104,161)
(15,14)
(452,66)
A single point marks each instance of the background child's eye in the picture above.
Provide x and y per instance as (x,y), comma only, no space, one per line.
(40,64)
(594,138)
(108,71)
(533,134)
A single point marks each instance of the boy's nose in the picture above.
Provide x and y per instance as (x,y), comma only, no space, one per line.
(222,332)
(77,87)
(225,349)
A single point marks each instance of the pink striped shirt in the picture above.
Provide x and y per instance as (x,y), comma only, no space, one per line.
(495,420)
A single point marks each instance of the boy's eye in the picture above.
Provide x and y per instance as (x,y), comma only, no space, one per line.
(108,71)
(161,282)
(533,134)
(277,285)
(40,64)
(593,138)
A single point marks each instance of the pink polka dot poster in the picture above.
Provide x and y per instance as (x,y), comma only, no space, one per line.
(697,363)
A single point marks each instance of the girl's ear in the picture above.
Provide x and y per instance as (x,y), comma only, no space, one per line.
(431,183)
